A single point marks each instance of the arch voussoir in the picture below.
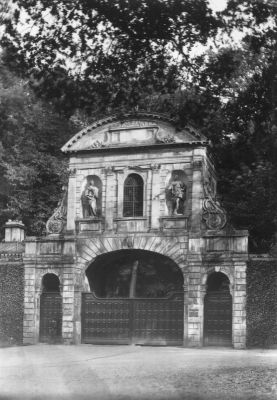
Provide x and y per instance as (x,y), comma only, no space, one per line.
(170,247)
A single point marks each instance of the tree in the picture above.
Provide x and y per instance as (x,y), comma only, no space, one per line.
(95,53)
(93,57)
(32,169)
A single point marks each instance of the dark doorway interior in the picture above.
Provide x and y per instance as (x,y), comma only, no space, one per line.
(134,273)
(50,310)
(218,311)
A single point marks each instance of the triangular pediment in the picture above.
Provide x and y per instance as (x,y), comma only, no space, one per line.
(132,130)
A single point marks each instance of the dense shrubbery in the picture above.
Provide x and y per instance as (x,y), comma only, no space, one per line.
(261,305)
(11,304)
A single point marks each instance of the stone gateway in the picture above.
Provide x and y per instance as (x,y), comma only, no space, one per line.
(139,249)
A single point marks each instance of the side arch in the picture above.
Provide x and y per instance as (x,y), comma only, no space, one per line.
(218,310)
(50,326)
(226,270)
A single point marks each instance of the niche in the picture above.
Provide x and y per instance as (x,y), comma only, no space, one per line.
(91,197)
(176,192)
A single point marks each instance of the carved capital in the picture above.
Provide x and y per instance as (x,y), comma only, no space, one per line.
(108,170)
(197,164)
(72,172)
(155,167)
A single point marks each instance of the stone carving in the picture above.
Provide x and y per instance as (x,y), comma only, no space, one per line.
(89,200)
(127,243)
(213,213)
(109,170)
(135,123)
(165,139)
(97,144)
(209,187)
(176,195)
(155,167)
(56,223)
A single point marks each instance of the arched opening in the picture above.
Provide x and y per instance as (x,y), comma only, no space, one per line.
(50,283)
(133,196)
(136,297)
(50,310)
(218,311)
(134,273)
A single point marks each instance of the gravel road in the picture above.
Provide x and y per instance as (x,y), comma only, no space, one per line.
(87,372)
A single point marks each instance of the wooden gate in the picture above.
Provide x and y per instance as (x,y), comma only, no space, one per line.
(50,317)
(153,321)
(218,319)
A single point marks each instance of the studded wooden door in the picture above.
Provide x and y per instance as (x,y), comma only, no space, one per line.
(50,317)
(158,321)
(218,319)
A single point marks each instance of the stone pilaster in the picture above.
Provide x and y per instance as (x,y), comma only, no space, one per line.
(68,305)
(194,305)
(197,196)
(120,191)
(155,200)
(71,201)
(239,306)
(30,331)
(110,198)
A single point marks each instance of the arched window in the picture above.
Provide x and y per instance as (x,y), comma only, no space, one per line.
(133,196)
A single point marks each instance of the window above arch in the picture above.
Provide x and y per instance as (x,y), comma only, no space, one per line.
(133,196)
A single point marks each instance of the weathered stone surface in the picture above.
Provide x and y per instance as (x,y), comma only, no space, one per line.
(153,149)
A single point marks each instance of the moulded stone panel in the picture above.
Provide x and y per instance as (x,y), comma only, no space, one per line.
(68,288)
(67,318)
(28,317)
(27,323)
(194,268)
(194,281)
(238,307)
(68,299)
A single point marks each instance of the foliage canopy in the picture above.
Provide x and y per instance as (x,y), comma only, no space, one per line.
(94,57)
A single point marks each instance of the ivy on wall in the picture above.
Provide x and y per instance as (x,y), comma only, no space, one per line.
(11,304)
(261,304)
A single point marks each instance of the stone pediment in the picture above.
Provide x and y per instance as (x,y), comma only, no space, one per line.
(132,130)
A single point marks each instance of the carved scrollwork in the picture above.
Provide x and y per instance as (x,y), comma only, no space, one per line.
(57,221)
(213,214)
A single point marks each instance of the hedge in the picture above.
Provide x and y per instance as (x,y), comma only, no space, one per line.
(261,304)
(11,304)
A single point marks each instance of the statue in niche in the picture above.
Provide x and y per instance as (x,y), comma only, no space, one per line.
(89,200)
(176,196)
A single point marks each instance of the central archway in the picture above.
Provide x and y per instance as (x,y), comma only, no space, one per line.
(136,297)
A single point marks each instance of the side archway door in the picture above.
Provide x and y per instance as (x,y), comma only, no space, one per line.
(50,310)
(218,311)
